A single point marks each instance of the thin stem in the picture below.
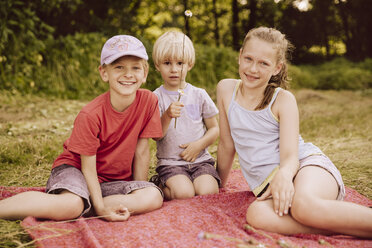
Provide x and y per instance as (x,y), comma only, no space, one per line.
(179,86)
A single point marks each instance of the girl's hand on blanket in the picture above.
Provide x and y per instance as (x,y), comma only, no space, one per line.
(174,110)
(191,151)
(116,213)
(281,189)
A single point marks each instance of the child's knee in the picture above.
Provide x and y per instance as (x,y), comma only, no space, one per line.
(303,209)
(180,189)
(254,215)
(183,193)
(71,210)
(207,189)
(154,198)
(205,185)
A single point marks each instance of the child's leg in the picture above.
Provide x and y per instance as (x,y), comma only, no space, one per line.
(178,187)
(63,206)
(314,205)
(175,181)
(314,209)
(205,184)
(260,214)
(205,178)
(139,201)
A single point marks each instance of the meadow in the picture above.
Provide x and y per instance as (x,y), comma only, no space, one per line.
(33,129)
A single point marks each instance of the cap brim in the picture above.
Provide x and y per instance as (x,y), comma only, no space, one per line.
(118,55)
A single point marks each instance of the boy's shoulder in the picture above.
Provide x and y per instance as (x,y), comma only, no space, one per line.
(196,91)
(146,94)
(158,90)
(96,103)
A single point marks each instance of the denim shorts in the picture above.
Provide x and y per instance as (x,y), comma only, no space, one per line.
(67,177)
(191,171)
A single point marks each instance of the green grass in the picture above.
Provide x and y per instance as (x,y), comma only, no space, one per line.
(33,129)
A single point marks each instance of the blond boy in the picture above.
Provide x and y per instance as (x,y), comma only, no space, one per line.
(185,168)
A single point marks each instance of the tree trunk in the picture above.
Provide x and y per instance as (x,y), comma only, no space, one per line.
(252,15)
(234,25)
(216,29)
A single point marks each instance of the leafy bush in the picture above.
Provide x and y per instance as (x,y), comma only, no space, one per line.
(301,78)
(337,74)
(22,39)
(213,64)
(71,67)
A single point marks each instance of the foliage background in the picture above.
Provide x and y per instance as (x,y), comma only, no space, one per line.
(52,48)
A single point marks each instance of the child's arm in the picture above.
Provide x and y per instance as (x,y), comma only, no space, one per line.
(115,213)
(173,111)
(141,160)
(281,187)
(225,149)
(193,149)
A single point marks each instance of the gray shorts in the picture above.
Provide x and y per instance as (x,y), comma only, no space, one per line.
(324,162)
(191,171)
(67,177)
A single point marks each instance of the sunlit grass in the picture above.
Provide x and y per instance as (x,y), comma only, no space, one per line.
(33,129)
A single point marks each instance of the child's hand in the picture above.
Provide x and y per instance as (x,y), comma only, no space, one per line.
(174,110)
(115,213)
(191,151)
(282,190)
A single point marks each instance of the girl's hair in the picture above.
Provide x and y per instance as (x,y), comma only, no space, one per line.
(169,47)
(283,48)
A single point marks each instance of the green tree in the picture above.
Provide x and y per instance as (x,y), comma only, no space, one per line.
(357,25)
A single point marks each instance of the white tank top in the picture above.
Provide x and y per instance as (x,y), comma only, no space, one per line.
(256,140)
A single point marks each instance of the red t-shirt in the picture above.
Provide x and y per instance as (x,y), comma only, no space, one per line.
(110,135)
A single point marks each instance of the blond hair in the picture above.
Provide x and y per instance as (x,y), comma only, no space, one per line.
(144,62)
(169,47)
(283,48)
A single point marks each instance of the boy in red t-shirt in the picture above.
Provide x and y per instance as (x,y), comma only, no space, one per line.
(105,161)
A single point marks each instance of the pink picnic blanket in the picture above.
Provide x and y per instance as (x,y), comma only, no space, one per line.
(203,221)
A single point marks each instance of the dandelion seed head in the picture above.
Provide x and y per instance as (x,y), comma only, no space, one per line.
(188,13)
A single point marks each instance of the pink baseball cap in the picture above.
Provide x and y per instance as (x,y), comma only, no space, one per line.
(121,45)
